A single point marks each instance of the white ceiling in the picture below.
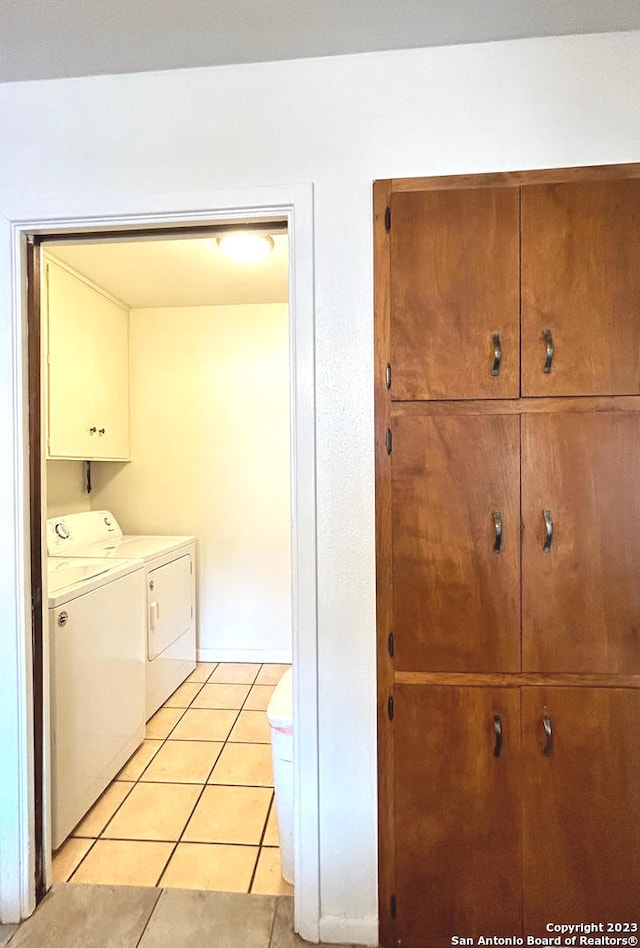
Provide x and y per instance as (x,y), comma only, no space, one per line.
(184,272)
(54,38)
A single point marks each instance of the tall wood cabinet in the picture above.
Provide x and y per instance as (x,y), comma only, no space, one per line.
(508,552)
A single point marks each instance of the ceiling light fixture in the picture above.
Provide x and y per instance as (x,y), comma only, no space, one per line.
(243,247)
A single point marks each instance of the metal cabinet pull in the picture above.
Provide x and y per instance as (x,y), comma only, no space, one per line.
(497,726)
(548,338)
(546,723)
(497,523)
(548,526)
(102,430)
(92,430)
(497,354)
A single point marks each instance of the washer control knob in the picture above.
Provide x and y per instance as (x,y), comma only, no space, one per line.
(107,521)
(63,618)
(62,531)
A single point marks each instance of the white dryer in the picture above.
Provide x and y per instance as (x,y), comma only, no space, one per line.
(170,572)
(97,628)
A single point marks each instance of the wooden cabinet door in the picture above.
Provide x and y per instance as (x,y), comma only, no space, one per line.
(581,599)
(456,602)
(454,283)
(581,806)
(457,814)
(581,282)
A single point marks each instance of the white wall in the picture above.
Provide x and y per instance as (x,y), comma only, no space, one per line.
(340,123)
(210,457)
(66,491)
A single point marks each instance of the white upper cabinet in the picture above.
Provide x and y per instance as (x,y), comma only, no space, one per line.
(88,369)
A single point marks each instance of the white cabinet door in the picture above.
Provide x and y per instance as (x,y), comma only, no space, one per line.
(88,369)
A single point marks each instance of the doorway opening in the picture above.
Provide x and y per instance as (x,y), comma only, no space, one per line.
(300,343)
(167,353)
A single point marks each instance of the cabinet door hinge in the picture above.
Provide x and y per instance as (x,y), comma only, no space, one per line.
(390,707)
(389,441)
(387,375)
(394,908)
(387,219)
(390,644)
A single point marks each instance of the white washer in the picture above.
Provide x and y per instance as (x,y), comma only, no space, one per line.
(97,627)
(170,567)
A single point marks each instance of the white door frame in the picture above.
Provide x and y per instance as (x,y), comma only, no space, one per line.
(121,212)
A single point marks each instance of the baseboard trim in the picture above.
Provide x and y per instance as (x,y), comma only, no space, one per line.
(335,929)
(257,656)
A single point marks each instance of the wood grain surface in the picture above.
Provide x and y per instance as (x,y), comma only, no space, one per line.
(384,576)
(581,281)
(581,806)
(458,819)
(456,603)
(581,600)
(454,283)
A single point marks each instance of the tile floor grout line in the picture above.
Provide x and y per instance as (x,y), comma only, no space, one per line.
(163,740)
(75,869)
(97,836)
(171,842)
(173,726)
(253,874)
(264,830)
(182,832)
(191,783)
(200,685)
(189,707)
(156,884)
(126,797)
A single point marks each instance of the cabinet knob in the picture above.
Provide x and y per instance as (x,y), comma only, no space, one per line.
(92,430)
(102,430)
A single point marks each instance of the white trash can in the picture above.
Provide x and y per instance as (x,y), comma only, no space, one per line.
(280,715)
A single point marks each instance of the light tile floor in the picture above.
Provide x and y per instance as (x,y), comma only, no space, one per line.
(194,806)
(104,916)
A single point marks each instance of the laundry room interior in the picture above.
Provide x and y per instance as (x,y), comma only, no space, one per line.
(166,416)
